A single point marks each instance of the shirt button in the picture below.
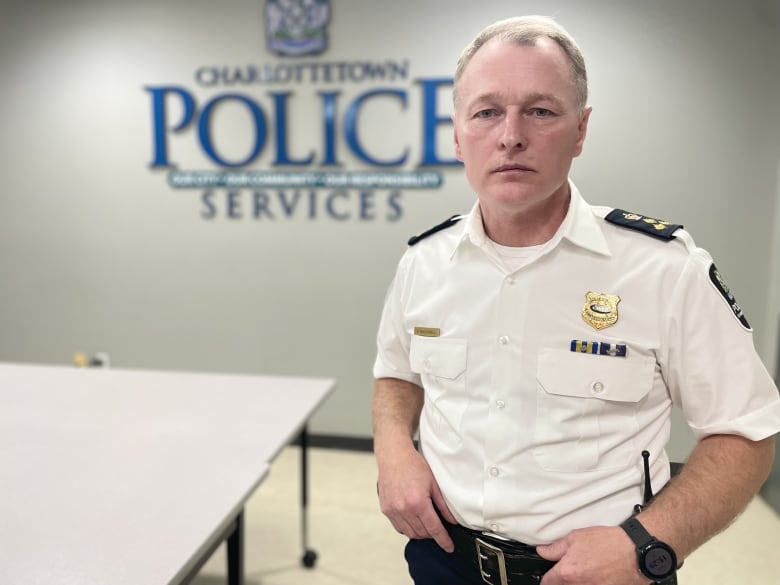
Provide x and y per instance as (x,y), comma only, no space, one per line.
(598,387)
(494,527)
(510,280)
(503,340)
(500,403)
(494,471)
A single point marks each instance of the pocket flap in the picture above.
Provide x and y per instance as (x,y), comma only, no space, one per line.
(437,356)
(565,373)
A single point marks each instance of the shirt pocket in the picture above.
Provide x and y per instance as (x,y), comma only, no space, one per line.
(441,364)
(586,409)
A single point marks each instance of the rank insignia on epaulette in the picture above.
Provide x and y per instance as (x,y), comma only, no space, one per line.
(655,227)
(437,228)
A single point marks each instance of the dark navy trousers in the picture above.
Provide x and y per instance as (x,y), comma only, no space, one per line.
(430,565)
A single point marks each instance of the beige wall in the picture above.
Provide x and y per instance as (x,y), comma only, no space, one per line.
(98,253)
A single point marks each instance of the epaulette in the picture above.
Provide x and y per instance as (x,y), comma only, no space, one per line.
(655,227)
(437,228)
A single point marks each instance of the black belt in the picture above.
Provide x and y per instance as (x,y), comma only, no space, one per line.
(505,562)
(500,562)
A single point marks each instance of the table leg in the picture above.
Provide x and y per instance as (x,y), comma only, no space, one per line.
(309,556)
(235,552)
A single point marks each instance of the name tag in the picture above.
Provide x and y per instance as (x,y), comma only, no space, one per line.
(427,331)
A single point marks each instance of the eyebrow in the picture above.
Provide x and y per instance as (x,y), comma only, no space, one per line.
(545,97)
(495,96)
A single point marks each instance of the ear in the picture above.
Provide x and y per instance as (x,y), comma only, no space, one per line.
(582,130)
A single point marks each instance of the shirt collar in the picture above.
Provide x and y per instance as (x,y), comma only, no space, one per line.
(581,227)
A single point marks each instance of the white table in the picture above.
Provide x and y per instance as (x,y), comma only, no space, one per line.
(131,477)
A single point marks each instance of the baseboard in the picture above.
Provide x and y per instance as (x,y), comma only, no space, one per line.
(364,444)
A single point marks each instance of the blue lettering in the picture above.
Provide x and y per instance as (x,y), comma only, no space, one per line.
(239,75)
(312,205)
(208,211)
(282,158)
(367,205)
(234,204)
(350,127)
(329,127)
(204,129)
(396,212)
(339,204)
(375,71)
(329,205)
(159,122)
(174,110)
(289,208)
(431,122)
(207,76)
(261,201)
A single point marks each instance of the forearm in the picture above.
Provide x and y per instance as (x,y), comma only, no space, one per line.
(395,414)
(408,493)
(722,475)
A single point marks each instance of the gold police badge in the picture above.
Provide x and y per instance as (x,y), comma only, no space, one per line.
(600,310)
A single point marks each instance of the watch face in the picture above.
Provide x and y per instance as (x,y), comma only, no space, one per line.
(659,561)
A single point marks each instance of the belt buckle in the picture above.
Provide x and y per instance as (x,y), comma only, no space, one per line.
(484,550)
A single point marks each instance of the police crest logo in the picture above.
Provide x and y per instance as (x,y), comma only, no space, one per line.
(297,27)
(600,310)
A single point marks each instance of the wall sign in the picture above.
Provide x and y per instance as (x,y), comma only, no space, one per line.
(258,173)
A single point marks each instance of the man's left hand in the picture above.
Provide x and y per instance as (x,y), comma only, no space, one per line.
(601,555)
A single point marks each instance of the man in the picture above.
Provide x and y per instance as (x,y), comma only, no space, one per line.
(538,345)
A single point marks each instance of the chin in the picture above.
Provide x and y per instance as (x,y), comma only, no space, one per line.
(513,195)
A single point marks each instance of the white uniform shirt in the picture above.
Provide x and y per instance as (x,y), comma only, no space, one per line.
(529,439)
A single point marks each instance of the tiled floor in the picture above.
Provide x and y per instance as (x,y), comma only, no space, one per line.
(356,546)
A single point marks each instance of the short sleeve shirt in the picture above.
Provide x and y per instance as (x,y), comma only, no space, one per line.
(543,385)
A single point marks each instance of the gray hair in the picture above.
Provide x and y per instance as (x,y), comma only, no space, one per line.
(526,31)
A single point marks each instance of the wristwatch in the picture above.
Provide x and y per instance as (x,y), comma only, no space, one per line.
(656,559)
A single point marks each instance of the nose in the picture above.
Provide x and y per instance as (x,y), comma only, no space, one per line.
(513,135)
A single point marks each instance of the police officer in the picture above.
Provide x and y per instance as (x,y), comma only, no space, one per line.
(538,344)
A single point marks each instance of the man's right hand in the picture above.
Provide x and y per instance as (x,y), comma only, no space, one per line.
(408,493)
(407,489)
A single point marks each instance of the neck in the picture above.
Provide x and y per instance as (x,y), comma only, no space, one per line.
(529,226)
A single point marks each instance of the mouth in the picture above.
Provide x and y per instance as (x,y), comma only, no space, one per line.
(513,168)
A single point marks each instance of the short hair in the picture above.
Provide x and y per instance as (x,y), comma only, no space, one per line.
(526,31)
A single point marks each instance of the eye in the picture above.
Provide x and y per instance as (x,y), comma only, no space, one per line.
(488,113)
(541,113)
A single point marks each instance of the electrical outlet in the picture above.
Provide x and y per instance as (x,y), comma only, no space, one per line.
(100,360)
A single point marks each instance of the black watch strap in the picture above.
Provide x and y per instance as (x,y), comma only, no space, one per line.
(637,532)
(656,559)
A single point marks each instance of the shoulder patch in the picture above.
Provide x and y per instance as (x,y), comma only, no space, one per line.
(655,227)
(437,228)
(723,289)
